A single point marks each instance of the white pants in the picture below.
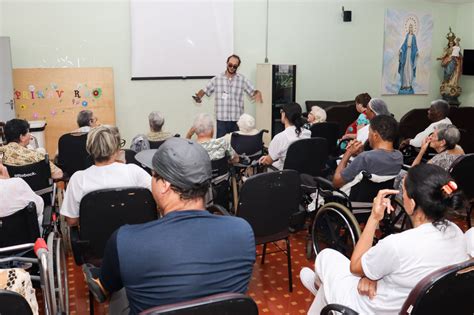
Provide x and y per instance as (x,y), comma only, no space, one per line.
(338,284)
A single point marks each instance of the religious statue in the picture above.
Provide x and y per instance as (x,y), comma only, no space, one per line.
(407,62)
(451,61)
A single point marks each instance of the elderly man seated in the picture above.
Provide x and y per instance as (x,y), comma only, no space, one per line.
(186,254)
(86,120)
(16,153)
(438,114)
(382,160)
(203,127)
(141,142)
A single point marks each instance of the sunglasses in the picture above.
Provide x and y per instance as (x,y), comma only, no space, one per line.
(230,65)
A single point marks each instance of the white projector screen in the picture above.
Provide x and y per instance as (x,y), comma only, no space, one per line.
(176,39)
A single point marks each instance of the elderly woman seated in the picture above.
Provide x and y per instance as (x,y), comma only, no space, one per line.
(316,115)
(246,124)
(141,142)
(16,153)
(103,144)
(203,127)
(444,140)
(377,279)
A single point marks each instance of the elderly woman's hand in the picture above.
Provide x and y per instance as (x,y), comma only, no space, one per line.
(382,202)
(190,133)
(265,160)
(4,172)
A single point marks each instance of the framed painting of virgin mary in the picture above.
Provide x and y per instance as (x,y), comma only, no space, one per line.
(407,52)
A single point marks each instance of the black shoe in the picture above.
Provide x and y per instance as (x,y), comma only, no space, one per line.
(93,283)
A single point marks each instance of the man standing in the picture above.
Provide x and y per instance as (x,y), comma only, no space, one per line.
(186,254)
(228,88)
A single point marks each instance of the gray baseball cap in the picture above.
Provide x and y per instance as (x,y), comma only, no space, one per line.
(183,163)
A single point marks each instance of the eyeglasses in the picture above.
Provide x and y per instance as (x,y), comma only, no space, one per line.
(230,65)
(122,143)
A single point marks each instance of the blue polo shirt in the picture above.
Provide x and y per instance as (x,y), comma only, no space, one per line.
(182,256)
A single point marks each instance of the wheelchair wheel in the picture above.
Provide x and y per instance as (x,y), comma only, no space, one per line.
(57,265)
(397,221)
(335,227)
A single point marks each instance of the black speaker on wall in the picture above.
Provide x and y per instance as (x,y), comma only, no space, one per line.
(346,15)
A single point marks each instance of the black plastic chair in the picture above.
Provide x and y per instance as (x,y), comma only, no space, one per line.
(20,227)
(329,131)
(72,153)
(462,170)
(267,201)
(104,211)
(154,145)
(225,304)
(13,303)
(307,156)
(38,177)
(448,290)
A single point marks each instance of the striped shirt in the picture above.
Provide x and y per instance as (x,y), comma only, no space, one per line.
(229,95)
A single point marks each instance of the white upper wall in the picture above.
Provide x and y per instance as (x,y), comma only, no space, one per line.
(336,60)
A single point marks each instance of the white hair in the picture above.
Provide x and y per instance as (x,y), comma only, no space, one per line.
(246,123)
(319,114)
(203,124)
(156,121)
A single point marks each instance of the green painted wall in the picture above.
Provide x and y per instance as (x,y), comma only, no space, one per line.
(465,31)
(336,60)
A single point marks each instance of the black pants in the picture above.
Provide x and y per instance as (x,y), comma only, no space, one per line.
(225,127)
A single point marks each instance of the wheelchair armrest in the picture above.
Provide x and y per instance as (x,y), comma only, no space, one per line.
(406,167)
(273,168)
(47,216)
(324,183)
(76,245)
(215,208)
(338,308)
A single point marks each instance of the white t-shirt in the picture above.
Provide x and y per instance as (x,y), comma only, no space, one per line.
(114,175)
(416,142)
(15,194)
(401,260)
(280,143)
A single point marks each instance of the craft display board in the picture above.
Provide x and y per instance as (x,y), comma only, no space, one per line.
(57,95)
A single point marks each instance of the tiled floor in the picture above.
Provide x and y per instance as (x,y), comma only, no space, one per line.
(268,286)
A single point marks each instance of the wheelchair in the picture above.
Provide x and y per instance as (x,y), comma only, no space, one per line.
(337,221)
(51,277)
(18,231)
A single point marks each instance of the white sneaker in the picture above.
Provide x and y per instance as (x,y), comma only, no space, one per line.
(307,277)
